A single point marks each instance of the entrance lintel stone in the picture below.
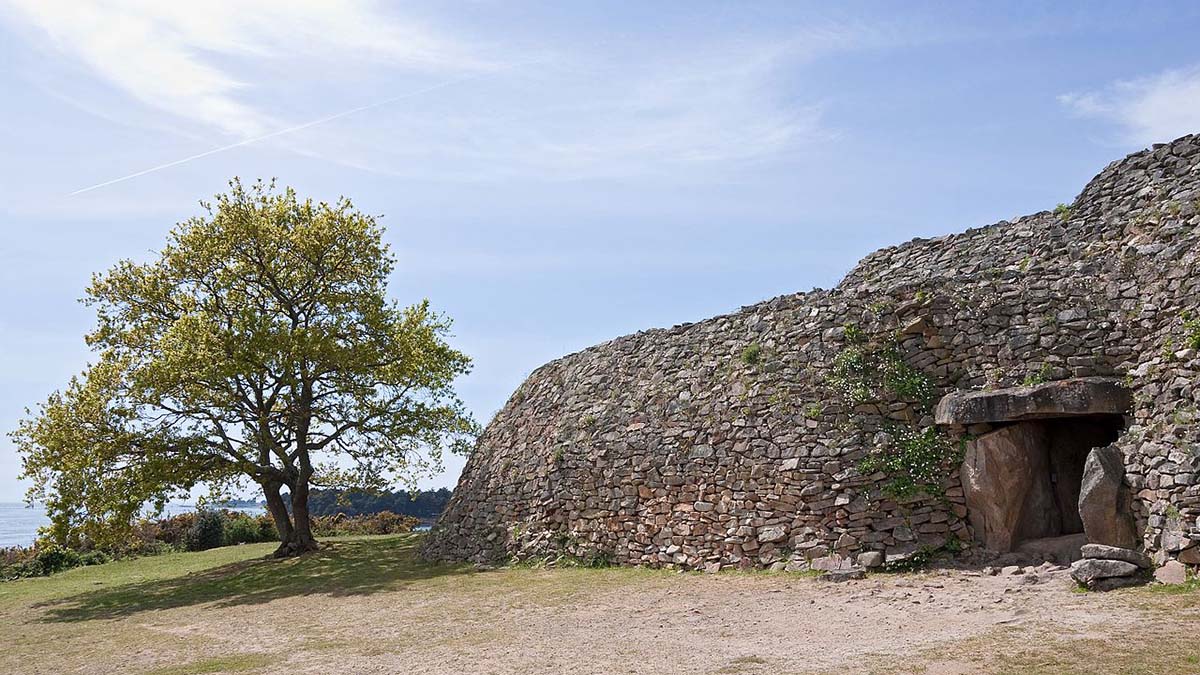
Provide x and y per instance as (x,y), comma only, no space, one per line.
(1062,398)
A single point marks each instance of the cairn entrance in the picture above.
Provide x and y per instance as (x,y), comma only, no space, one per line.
(1023,469)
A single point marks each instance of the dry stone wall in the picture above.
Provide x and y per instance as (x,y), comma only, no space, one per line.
(799,432)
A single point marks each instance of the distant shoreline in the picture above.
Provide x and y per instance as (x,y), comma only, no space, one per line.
(19,522)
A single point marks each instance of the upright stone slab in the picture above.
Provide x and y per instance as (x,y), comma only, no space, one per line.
(1104,501)
(998,473)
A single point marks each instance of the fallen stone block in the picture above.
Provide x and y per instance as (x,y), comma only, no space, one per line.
(1089,570)
(837,576)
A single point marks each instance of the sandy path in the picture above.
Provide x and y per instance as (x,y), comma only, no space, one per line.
(727,623)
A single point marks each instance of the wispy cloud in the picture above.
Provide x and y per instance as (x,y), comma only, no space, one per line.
(271,72)
(596,115)
(1148,110)
(187,59)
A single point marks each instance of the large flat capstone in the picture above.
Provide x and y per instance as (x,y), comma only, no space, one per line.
(1063,398)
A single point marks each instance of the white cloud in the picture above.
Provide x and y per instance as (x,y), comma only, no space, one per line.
(180,57)
(1149,110)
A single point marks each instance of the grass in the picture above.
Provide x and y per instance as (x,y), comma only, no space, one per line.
(87,616)
(221,664)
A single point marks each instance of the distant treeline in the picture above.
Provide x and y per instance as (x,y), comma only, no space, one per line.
(424,504)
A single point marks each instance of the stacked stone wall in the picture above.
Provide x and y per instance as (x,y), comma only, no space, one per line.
(744,440)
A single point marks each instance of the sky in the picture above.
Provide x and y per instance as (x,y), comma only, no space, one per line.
(555,174)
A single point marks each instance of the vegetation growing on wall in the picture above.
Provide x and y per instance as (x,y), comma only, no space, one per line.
(1191,330)
(868,371)
(916,460)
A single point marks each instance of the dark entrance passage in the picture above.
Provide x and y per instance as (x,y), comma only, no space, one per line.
(1022,478)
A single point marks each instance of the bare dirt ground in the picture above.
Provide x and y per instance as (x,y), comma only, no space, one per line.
(364,616)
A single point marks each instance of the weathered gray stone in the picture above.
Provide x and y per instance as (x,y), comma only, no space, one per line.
(842,575)
(1087,570)
(1064,398)
(870,559)
(1103,552)
(1113,583)
(1103,500)
(830,563)
(772,534)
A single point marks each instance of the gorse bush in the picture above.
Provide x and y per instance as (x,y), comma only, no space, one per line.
(384,522)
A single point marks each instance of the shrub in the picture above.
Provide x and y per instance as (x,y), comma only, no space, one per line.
(241,528)
(208,531)
(384,522)
(55,558)
(266,527)
(174,530)
(93,558)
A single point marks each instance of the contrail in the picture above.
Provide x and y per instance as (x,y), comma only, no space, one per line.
(279,132)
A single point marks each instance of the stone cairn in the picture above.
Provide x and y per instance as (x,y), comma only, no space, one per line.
(799,432)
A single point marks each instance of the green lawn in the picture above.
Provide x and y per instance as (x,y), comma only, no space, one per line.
(225,576)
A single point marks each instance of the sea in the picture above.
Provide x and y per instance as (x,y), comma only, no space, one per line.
(19,522)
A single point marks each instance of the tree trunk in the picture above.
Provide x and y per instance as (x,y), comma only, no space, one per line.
(278,510)
(299,538)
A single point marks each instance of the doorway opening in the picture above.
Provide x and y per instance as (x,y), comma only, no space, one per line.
(1022,477)
(1022,482)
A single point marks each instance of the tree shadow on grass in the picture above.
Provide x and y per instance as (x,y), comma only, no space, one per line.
(343,568)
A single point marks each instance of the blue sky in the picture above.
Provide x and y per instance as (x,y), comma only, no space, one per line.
(555,174)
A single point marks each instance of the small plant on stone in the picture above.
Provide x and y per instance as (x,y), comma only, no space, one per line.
(752,354)
(1063,211)
(813,411)
(1191,330)
(854,334)
(1168,349)
(1040,377)
(903,380)
(852,375)
(588,421)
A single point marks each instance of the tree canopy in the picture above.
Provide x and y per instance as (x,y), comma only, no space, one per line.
(258,346)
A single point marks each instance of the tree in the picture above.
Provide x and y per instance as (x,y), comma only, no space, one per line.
(258,346)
